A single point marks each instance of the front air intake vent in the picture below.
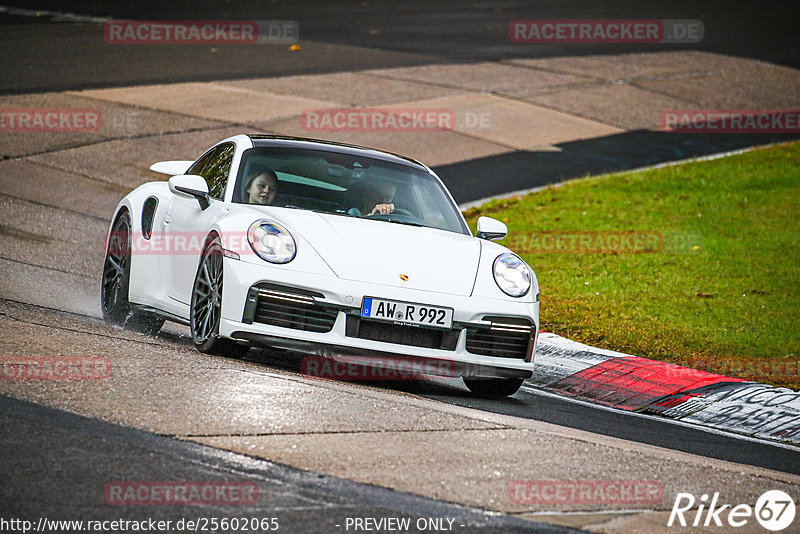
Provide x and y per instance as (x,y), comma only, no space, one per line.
(506,338)
(290,308)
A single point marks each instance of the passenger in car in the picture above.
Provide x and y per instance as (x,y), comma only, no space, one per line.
(262,187)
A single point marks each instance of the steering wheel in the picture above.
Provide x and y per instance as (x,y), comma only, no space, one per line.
(397,211)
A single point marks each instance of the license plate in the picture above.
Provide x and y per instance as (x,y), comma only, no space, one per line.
(407,313)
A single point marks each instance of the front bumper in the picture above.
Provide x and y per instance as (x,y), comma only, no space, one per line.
(341,299)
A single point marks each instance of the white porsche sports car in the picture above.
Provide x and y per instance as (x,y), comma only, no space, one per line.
(332,250)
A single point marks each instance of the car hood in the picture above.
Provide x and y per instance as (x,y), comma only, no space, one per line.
(385,253)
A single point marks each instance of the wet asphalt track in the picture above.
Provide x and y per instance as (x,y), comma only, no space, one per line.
(56,465)
(533,402)
(36,55)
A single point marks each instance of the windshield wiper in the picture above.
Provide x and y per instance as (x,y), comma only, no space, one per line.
(405,222)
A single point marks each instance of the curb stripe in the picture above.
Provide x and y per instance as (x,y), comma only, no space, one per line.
(752,408)
(633,383)
(558,357)
(686,402)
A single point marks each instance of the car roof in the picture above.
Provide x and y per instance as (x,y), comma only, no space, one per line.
(331,146)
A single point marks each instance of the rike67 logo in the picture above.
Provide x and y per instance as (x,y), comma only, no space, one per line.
(774,510)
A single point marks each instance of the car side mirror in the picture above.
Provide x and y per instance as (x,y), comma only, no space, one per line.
(190,185)
(491,229)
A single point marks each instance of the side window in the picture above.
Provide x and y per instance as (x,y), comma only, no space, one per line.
(214,167)
(197,166)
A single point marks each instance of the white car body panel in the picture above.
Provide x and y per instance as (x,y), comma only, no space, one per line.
(377,252)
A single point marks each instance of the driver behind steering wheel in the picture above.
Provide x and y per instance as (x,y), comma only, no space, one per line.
(376,198)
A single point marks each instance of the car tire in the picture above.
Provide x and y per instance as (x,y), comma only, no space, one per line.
(493,388)
(206,307)
(115,283)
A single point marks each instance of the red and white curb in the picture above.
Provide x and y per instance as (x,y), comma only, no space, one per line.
(637,384)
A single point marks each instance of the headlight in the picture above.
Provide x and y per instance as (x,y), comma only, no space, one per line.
(271,241)
(511,275)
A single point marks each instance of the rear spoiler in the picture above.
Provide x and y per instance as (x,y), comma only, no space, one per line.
(172,168)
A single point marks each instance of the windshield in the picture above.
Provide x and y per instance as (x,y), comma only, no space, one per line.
(347,185)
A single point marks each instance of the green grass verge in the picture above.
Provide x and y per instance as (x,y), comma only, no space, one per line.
(719,289)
